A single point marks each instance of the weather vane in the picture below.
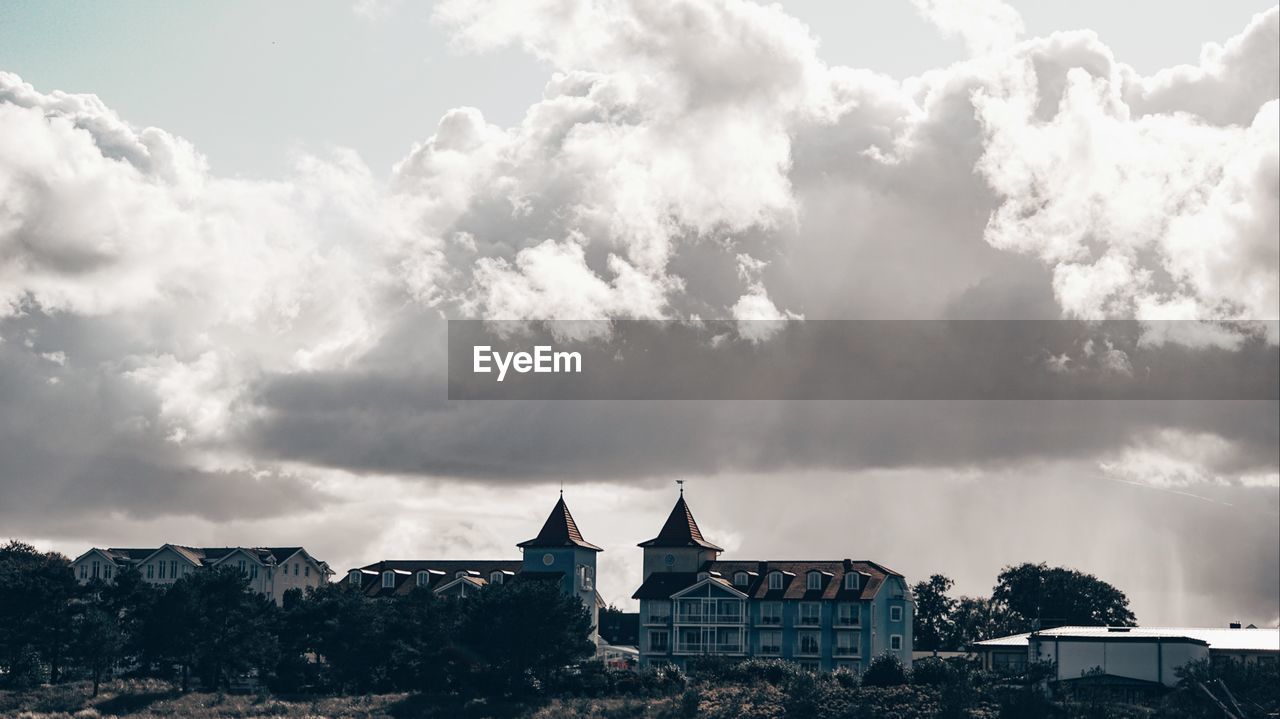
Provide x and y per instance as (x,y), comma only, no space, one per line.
(681,483)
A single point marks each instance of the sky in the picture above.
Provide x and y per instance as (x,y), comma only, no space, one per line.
(230,235)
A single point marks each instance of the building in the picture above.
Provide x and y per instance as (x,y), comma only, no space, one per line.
(271,570)
(824,614)
(558,554)
(1142,655)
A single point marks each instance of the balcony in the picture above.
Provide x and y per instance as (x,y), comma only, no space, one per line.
(840,651)
(808,650)
(848,622)
(658,619)
(808,621)
(709,617)
(697,647)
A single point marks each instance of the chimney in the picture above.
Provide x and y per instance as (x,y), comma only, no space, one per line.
(848,564)
(1234,625)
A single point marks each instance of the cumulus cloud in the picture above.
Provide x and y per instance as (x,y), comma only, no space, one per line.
(686,159)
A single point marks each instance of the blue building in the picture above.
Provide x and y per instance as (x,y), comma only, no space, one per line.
(823,614)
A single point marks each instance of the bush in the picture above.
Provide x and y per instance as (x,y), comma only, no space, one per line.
(885,670)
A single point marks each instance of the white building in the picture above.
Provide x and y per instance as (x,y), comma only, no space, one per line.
(1142,654)
(271,570)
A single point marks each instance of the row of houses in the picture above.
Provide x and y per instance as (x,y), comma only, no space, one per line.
(824,614)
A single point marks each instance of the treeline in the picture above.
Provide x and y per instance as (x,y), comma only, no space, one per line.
(1026,597)
(210,627)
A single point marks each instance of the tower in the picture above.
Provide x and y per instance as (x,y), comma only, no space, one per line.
(560,549)
(679,547)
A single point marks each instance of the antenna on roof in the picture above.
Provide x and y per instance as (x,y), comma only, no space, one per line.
(681,483)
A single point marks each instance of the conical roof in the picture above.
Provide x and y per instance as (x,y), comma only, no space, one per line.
(680,530)
(560,531)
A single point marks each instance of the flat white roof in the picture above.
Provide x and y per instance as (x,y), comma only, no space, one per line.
(1266,639)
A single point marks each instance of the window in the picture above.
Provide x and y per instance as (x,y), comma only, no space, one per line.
(586,578)
(814,580)
(771,613)
(846,644)
(496,577)
(95,570)
(895,642)
(173,569)
(895,614)
(775,580)
(659,641)
(771,642)
(388,579)
(107,570)
(810,614)
(852,581)
(809,666)
(84,571)
(295,569)
(239,564)
(658,611)
(424,578)
(355,577)
(1007,661)
(159,570)
(741,579)
(253,571)
(807,642)
(151,571)
(846,614)
(306,570)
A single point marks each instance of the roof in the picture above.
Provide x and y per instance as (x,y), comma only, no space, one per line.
(662,585)
(203,556)
(680,530)
(1264,640)
(560,531)
(441,572)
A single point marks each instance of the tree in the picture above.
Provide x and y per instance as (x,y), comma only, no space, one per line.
(525,629)
(1042,597)
(211,622)
(36,589)
(99,639)
(934,625)
(974,619)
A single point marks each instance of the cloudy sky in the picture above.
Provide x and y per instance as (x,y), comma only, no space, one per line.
(230,234)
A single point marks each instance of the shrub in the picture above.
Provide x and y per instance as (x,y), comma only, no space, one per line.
(885,670)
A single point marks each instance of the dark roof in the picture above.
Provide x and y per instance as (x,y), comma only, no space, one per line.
(203,556)
(661,585)
(441,572)
(560,531)
(620,628)
(680,530)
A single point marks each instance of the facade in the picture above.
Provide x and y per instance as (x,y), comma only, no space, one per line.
(1149,655)
(558,554)
(271,570)
(823,614)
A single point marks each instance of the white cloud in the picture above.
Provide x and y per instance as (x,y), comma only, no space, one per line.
(985,26)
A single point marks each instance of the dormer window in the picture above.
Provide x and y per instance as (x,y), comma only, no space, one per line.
(703,576)
(775,580)
(852,581)
(496,577)
(814,580)
(741,579)
(355,577)
(460,574)
(424,578)
(388,580)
